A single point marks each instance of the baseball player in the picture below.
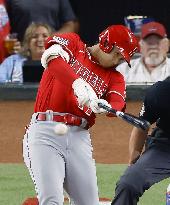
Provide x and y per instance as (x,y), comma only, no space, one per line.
(57,147)
(153,165)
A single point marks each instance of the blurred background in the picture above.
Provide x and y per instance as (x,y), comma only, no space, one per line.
(95,15)
(110,137)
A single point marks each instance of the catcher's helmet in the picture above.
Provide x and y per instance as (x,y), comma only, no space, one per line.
(121,37)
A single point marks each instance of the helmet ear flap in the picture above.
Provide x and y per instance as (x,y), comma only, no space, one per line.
(104,41)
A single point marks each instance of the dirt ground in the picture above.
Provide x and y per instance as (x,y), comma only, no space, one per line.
(109,136)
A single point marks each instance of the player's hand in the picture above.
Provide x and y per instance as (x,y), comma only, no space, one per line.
(84,92)
(95,107)
(17,46)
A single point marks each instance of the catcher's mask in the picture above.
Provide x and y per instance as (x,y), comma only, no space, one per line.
(121,37)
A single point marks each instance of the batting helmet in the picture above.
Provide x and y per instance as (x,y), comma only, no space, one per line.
(121,37)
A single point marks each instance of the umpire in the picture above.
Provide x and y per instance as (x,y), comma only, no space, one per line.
(153,165)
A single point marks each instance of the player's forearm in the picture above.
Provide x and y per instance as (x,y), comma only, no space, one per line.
(62,71)
(136,143)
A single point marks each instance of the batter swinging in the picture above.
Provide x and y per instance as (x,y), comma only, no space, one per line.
(57,147)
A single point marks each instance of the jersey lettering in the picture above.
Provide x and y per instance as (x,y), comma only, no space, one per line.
(93,79)
(142,110)
(61,40)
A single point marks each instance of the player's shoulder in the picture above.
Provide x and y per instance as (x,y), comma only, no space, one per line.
(63,39)
(158,94)
(161,84)
(69,35)
(159,88)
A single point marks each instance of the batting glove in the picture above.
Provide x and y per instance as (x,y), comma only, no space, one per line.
(95,107)
(84,92)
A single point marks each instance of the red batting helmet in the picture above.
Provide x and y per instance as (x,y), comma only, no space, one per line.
(121,37)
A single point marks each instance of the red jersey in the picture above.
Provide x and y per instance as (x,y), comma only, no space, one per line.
(4,29)
(55,90)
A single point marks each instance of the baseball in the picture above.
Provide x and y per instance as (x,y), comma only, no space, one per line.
(61,129)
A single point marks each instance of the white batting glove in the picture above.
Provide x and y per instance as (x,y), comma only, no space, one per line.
(96,109)
(84,92)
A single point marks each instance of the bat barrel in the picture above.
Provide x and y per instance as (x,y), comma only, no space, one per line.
(143,124)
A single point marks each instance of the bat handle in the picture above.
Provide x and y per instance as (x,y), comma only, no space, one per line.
(111,110)
(108,109)
(119,114)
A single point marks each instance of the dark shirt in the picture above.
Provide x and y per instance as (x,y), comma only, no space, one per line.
(156,108)
(52,12)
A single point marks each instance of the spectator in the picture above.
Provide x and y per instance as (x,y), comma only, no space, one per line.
(4,33)
(4,28)
(56,13)
(33,47)
(153,165)
(153,65)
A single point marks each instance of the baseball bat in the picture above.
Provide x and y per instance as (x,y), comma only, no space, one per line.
(137,122)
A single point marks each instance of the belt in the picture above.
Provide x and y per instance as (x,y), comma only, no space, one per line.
(67,119)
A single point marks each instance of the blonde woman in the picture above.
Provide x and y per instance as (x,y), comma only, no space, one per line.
(32,49)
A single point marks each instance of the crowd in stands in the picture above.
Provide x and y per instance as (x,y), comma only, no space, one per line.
(19,17)
(32,49)
(153,64)
(58,14)
(33,22)
(4,33)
